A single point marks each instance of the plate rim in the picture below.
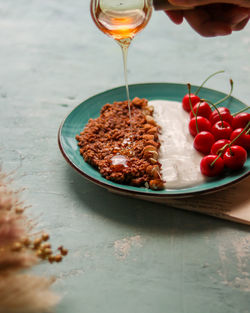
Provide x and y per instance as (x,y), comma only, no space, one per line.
(120,188)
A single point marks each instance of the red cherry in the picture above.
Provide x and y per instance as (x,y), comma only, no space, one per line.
(235,157)
(223,109)
(211,170)
(243,140)
(185,101)
(221,131)
(240,120)
(225,115)
(218,145)
(203,124)
(203,142)
(202,109)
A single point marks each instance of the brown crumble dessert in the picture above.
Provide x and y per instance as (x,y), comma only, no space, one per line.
(106,143)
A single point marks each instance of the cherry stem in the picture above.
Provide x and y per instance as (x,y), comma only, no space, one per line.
(243,110)
(191,107)
(212,164)
(230,144)
(229,95)
(215,107)
(223,148)
(210,76)
(244,129)
(196,115)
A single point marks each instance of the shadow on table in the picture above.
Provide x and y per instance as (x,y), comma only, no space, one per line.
(141,214)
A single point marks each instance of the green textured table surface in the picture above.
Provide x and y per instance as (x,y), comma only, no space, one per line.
(126,255)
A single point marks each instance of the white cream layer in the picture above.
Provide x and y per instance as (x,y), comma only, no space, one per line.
(180,161)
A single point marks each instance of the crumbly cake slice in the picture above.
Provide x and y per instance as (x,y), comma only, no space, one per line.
(107,144)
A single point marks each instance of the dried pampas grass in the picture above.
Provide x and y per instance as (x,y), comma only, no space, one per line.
(21,293)
(26,294)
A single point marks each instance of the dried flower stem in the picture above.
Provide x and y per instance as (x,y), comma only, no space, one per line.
(20,293)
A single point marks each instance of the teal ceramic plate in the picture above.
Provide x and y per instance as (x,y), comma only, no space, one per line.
(90,108)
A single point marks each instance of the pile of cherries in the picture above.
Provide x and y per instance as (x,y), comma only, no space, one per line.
(223,138)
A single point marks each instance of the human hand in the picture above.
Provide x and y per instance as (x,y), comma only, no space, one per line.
(214,19)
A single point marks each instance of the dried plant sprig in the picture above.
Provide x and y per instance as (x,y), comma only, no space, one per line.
(34,297)
(21,249)
(10,229)
(13,261)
